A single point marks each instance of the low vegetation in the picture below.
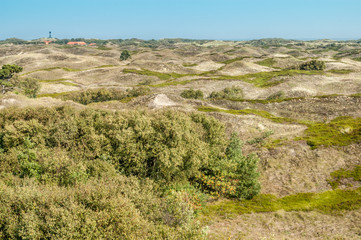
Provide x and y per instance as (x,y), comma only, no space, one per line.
(341,131)
(313,65)
(268,62)
(330,202)
(100,174)
(231,93)
(256,112)
(192,94)
(339,175)
(125,55)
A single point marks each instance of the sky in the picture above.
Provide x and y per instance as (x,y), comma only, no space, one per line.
(194,19)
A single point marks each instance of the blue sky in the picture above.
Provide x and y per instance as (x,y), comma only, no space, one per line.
(197,19)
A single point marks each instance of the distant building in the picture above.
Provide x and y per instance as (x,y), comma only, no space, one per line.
(92,44)
(77,43)
(47,42)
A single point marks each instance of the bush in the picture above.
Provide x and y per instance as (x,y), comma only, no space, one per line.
(192,94)
(30,86)
(235,176)
(234,93)
(112,208)
(276,96)
(104,94)
(313,65)
(124,55)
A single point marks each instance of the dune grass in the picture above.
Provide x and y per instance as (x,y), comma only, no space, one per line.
(229,61)
(161,76)
(341,131)
(330,202)
(266,79)
(261,79)
(171,83)
(256,112)
(337,176)
(65,69)
(269,62)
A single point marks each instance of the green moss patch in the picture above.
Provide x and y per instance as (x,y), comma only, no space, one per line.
(269,62)
(162,76)
(256,112)
(327,202)
(267,79)
(341,131)
(338,175)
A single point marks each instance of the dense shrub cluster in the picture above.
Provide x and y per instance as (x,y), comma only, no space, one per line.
(276,96)
(104,94)
(192,94)
(228,93)
(313,65)
(74,174)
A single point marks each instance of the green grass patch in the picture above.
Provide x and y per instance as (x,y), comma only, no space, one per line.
(269,62)
(53,80)
(357,59)
(338,175)
(189,64)
(65,69)
(266,79)
(356,95)
(341,131)
(105,66)
(229,61)
(55,95)
(256,112)
(103,48)
(329,202)
(161,76)
(171,83)
(340,71)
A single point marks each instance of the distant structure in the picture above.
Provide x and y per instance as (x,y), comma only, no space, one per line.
(77,43)
(50,34)
(47,42)
(92,44)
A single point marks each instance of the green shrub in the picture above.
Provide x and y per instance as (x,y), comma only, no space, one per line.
(313,65)
(104,94)
(228,93)
(30,86)
(124,55)
(162,145)
(276,96)
(192,94)
(235,176)
(112,208)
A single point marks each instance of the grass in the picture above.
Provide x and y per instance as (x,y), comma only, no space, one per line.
(329,202)
(65,69)
(55,95)
(229,61)
(269,62)
(189,64)
(357,59)
(338,175)
(341,131)
(59,81)
(256,112)
(162,76)
(103,48)
(261,79)
(266,79)
(340,71)
(171,83)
